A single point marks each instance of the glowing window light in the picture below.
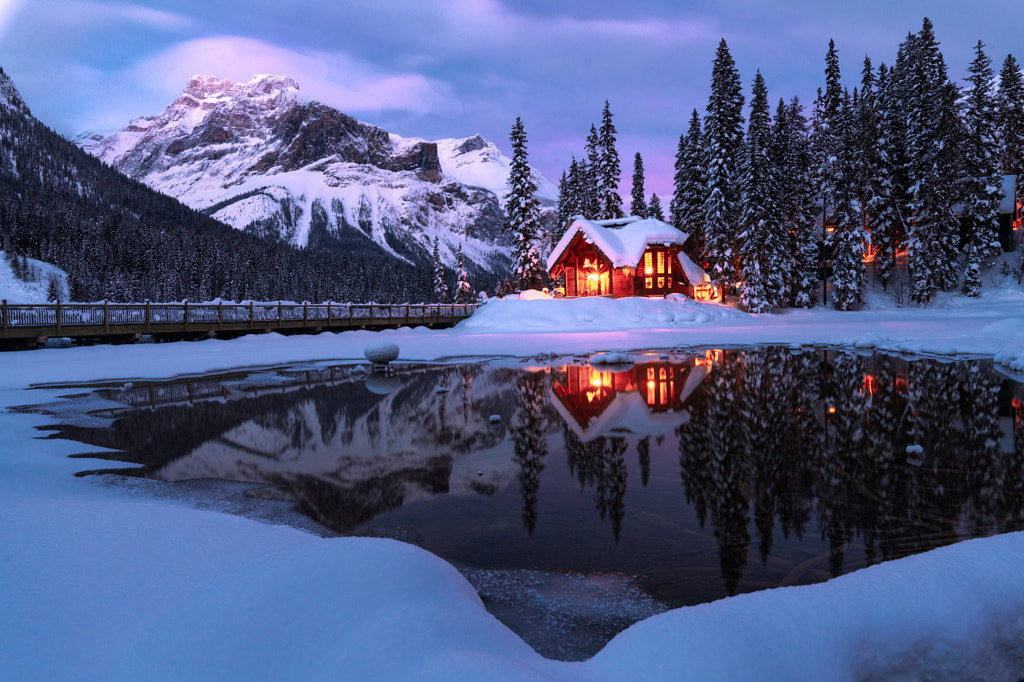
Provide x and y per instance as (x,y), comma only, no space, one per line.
(831,410)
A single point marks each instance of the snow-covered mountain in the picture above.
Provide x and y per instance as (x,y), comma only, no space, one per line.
(10,98)
(260,156)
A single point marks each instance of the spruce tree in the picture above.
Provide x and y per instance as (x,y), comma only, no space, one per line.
(687,205)
(794,166)
(887,233)
(564,210)
(654,209)
(637,204)
(981,184)
(723,136)
(440,285)
(522,214)
(592,176)
(762,248)
(1010,117)
(464,290)
(609,170)
(848,236)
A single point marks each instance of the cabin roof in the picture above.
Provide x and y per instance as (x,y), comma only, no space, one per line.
(623,241)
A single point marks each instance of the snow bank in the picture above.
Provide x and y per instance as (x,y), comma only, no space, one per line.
(595,314)
(102,584)
(14,290)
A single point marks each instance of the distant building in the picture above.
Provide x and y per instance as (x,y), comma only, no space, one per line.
(628,256)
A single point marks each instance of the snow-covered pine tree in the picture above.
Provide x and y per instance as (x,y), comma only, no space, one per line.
(867,128)
(886,230)
(637,204)
(576,189)
(848,236)
(654,209)
(609,201)
(440,285)
(1010,117)
(464,292)
(563,211)
(593,190)
(522,214)
(981,184)
(687,205)
(722,137)
(761,241)
(794,168)
(932,126)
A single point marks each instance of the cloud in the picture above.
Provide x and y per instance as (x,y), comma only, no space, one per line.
(330,77)
(86,14)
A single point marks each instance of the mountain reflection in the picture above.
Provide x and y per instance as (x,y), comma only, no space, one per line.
(788,462)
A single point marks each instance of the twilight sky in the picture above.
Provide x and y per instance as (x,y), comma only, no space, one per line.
(433,68)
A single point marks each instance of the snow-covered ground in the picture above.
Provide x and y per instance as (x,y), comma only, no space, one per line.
(99,582)
(15,290)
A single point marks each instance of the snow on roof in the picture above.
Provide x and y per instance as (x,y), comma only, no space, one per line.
(694,273)
(622,240)
(1009,186)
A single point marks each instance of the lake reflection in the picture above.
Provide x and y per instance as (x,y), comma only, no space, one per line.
(708,474)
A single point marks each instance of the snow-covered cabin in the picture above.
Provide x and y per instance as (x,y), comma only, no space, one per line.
(628,256)
(1011,213)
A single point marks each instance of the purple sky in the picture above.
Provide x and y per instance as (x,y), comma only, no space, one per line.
(422,68)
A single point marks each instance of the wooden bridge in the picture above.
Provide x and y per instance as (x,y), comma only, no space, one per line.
(29,326)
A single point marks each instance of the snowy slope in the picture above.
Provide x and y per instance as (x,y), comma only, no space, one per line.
(261,155)
(35,289)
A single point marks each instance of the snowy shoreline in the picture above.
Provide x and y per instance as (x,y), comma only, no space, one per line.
(100,584)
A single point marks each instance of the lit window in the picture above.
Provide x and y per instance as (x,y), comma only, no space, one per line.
(661,262)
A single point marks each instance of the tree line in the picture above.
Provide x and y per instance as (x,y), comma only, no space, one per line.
(905,168)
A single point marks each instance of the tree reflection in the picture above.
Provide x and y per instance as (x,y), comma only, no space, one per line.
(897,457)
(528,442)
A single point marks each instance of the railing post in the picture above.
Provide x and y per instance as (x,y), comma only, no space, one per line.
(280,315)
(186,316)
(58,317)
(220,315)
(305,313)
(328,313)
(251,316)
(106,317)
(149,315)
(3,316)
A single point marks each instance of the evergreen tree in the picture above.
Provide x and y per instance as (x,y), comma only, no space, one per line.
(637,205)
(1010,117)
(654,209)
(522,210)
(794,168)
(981,185)
(609,170)
(848,235)
(867,153)
(723,136)
(762,248)
(464,290)
(564,210)
(886,230)
(592,176)
(440,285)
(687,205)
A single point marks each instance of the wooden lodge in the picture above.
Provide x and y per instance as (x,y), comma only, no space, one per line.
(1011,213)
(630,256)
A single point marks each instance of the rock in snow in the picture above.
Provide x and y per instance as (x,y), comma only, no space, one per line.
(381,352)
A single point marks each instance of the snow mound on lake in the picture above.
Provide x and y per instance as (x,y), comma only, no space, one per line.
(598,314)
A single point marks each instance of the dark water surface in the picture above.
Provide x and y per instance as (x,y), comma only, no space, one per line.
(681,479)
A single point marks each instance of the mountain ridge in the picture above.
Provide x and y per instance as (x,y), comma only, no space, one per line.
(261,156)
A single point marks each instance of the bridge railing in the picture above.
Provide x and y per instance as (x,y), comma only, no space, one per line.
(152,316)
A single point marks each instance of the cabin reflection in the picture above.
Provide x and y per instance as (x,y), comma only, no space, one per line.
(647,399)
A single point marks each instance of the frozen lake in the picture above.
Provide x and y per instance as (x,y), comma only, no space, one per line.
(601,494)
